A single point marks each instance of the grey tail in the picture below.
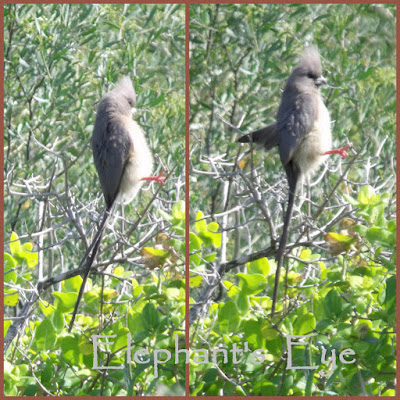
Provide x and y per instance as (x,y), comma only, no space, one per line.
(266,137)
(293,174)
(92,250)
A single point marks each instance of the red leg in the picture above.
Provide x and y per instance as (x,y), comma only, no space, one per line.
(341,151)
(159,178)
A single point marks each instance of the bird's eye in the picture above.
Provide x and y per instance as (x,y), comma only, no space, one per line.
(311,75)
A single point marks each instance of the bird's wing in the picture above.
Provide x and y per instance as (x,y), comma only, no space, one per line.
(110,157)
(296,117)
(267,137)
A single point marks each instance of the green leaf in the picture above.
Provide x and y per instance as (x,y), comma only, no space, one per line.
(194,242)
(10,297)
(356,282)
(379,235)
(195,281)
(194,247)
(268,331)
(260,266)
(252,284)
(351,200)
(253,335)
(172,293)
(45,337)
(120,341)
(211,238)
(31,259)
(150,317)
(165,215)
(200,224)
(232,290)
(243,302)
(72,284)
(65,302)
(304,324)
(178,210)
(9,264)
(366,195)
(228,318)
(15,244)
(23,252)
(390,296)
(333,304)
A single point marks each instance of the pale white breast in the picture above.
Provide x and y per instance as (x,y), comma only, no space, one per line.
(140,164)
(310,154)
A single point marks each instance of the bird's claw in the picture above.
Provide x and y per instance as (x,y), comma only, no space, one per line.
(159,178)
(343,153)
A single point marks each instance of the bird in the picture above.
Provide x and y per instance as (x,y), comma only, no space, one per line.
(122,158)
(302,132)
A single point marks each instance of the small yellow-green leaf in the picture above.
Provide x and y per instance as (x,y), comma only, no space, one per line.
(333,237)
(195,280)
(213,227)
(194,242)
(252,284)
(65,301)
(178,210)
(72,284)
(260,266)
(47,308)
(119,271)
(137,290)
(172,293)
(304,324)
(10,298)
(27,246)
(200,223)
(356,281)
(15,244)
(366,195)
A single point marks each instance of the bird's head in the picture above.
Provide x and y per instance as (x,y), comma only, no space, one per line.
(309,71)
(125,94)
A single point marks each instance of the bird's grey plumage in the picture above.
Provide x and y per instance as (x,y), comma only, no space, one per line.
(266,137)
(302,132)
(303,122)
(122,159)
(120,151)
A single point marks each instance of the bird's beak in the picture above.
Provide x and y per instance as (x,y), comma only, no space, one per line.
(321,81)
(134,110)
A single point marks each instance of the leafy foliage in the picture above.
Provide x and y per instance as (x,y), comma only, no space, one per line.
(59,61)
(340,281)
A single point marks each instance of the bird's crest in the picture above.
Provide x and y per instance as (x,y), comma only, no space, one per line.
(310,61)
(124,84)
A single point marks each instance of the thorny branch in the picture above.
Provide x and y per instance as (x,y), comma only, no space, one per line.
(63,219)
(253,192)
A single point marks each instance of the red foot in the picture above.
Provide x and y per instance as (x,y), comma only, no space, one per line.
(159,178)
(341,151)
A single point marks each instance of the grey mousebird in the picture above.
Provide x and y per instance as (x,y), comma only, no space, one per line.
(122,158)
(302,132)
(120,152)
